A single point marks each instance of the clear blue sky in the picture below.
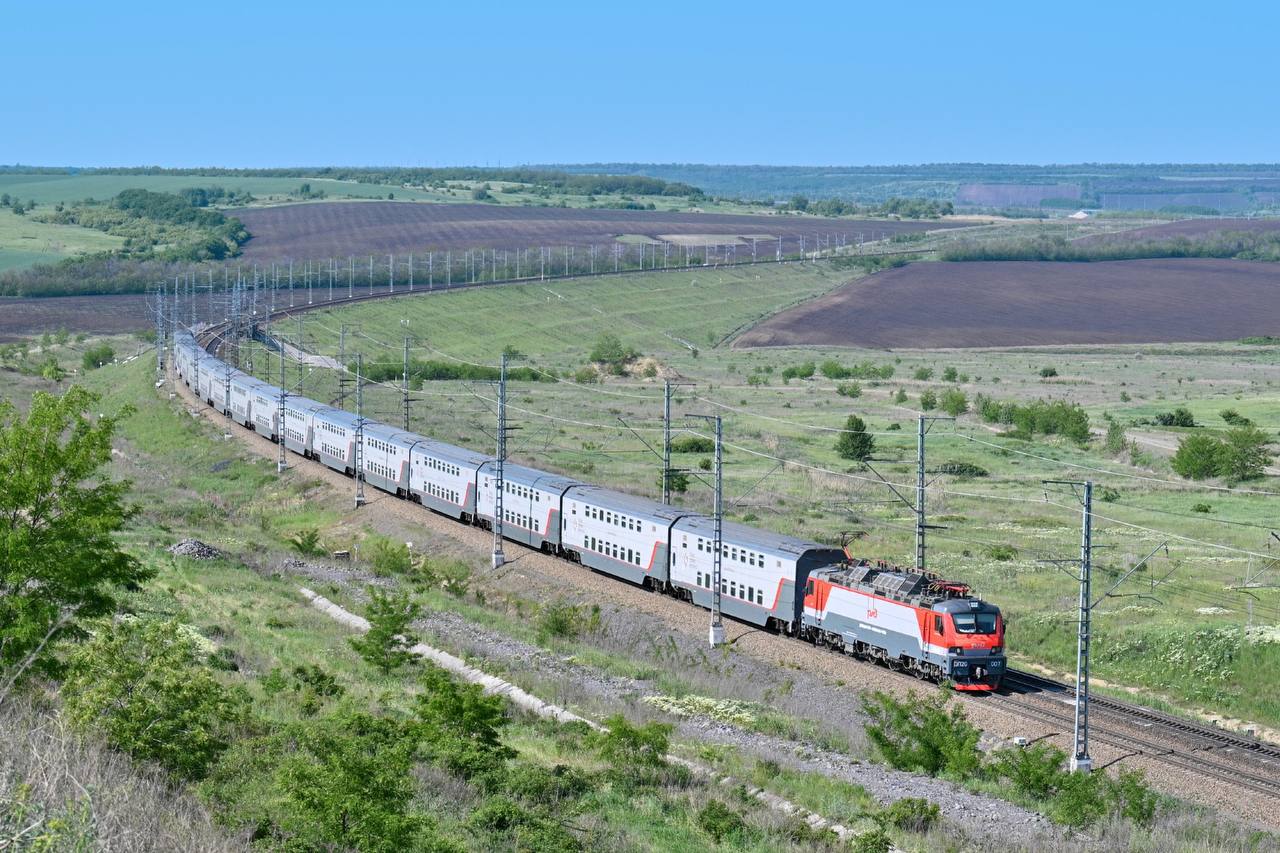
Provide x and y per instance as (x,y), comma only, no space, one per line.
(381,83)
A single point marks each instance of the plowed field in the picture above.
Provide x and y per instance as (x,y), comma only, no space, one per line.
(1016,303)
(26,318)
(339,229)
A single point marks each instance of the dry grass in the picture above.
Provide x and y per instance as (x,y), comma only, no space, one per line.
(59,791)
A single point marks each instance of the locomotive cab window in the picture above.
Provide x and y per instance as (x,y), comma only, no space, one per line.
(974,623)
(937,624)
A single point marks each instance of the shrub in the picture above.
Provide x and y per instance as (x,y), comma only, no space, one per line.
(1234,418)
(849,389)
(1002,553)
(923,374)
(1179,417)
(873,841)
(460,728)
(900,397)
(1048,372)
(1080,799)
(1116,440)
(96,356)
(799,371)
(922,734)
(1132,798)
(961,469)
(628,747)
(387,642)
(928,401)
(1244,454)
(693,444)
(391,558)
(1197,457)
(950,375)
(1034,771)
(912,814)
(954,402)
(144,686)
(586,375)
(1200,507)
(609,350)
(719,821)
(854,443)
(562,619)
(307,543)
(678,480)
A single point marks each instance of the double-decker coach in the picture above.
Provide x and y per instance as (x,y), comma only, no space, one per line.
(618,534)
(443,478)
(385,454)
(760,572)
(530,502)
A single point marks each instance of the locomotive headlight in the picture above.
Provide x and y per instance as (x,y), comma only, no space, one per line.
(995,650)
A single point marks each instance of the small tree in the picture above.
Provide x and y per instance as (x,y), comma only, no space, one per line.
(854,443)
(96,356)
(142,684)
(386,644)
(923,734)
(461,727)
(954,402)
(928,401)
(59,515)
(1243,454)
(1197,457)
(1116,440)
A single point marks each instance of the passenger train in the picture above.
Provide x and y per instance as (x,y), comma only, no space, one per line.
(909,621)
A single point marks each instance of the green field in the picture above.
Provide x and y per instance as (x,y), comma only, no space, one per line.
(1182,640)
(24,241)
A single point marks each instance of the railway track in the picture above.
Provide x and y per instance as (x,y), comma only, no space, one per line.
(1249,763)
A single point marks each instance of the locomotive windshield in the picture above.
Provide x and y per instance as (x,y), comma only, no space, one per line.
(974,623)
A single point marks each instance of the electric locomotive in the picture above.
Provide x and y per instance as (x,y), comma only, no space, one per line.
(910,621)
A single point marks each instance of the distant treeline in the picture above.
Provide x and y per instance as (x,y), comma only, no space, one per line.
(437,371)
(1238,245)
(907,208)
(564,181)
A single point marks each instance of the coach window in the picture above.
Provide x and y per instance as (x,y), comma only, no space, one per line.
(759,596)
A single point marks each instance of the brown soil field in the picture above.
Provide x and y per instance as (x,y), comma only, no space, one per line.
(1030,303)
(1190,228)
(29,317)
(338,229)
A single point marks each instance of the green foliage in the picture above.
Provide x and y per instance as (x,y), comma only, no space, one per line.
(1244,454)
(387,642)
(608,350)
(950,375)
(678,480)
(428,370)
(954,402)
(692,444)
(586,375)
(865,370)
(52,371)
(390,557)
(923,374)
(849,389)
(1219,244)
(915,208)
(504,824)
(1234,418)
(961,469)
(1033,771)
(922,734)
(799,371)
(98,355)
(142,684)
(1046,417)
(460,728)
(630,748)
(720,822)
(912,814)
(1001,553)
(307,543)
(1048,372)
(562,619)
(1201,507)
(900,396)
(1179,417)
(1116,441)
(928,401)
(854,443)
(1131,797)
(342,781)
(873,841)
(1197,457)
(59,516)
